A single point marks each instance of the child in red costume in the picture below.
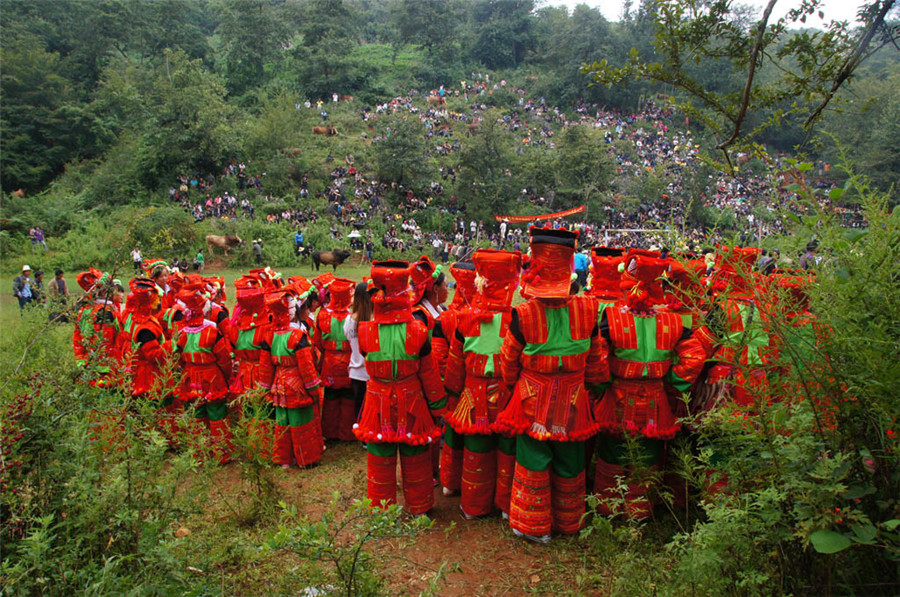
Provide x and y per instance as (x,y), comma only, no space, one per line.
(205,356)
(289,372)
(339,409)
(403,393)
(473,376)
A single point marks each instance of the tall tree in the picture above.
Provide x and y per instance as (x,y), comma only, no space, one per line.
(252,32)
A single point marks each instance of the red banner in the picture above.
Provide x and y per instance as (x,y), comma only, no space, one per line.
(559,214)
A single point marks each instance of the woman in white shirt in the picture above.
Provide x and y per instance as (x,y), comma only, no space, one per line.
(361,310)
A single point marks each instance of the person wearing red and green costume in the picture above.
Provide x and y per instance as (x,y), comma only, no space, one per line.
(339,408)
(205,356)
(172,317)
(744,349)
(247,330)
(552,349)
(647,347)
(148,352)
(403,395)
(158,271)
(451,466)
(430,292)
(473,377)
(290,374)
(95,340)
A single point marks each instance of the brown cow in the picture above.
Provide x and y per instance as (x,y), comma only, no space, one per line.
(328,131)
(473,128)
(292,152)
(332,258)
(345,98)
(20,193)
(531,78)
(226,242)
(436,100)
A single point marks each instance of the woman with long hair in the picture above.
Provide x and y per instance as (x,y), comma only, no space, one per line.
(361,310)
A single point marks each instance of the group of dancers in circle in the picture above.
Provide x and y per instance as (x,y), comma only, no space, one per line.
(507,406)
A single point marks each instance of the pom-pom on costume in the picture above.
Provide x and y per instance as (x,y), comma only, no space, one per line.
(403,393)
(647,347)
(292,379)
(205,357)
(339,408)
(551,350)
(451,464)
(247,332)
(473,376)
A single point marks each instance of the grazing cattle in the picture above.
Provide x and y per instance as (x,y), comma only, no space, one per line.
(436,100)
(473,128)
(226,242)
(328,131)
(20,193)
(332,258)
(292,152)
(445,127)
(345,98)
(531,78)
(662,96)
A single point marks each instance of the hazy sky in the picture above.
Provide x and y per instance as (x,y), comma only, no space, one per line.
(833,9)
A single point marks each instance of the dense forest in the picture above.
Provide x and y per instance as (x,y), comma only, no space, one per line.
(153,89)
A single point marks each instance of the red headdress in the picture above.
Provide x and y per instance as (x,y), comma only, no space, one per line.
(497,278)
(422,275)
(603,281)
(144,296)
(281,303)
(177,280)
(269,277)
(549,270)
(733,270)
(196,301)
(463,273)
(341,291)
(793,290)
(684,283)
(91,278)
(641,279)
(251,302)
(392,301)
(216,286)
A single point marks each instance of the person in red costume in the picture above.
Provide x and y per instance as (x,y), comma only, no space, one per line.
(647,348)
(172,317)
(403,394)
(148,353)
(339,408)
(430,292)
(451,466)
(95,340)
(551,351)
(744,351)
(205,356)
(247,329)
(289,372)
(473,376)
(158,271)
